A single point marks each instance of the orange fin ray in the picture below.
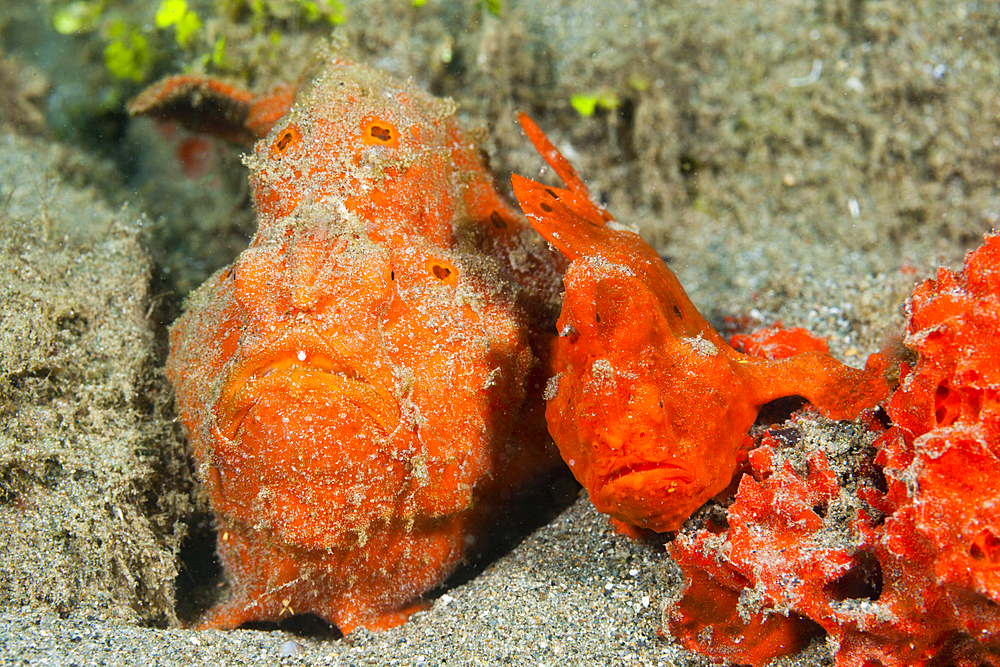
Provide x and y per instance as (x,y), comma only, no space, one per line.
(573,226)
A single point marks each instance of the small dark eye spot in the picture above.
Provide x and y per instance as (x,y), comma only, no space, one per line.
(285,141)
(442,270)
(552,194)
(677,311)
(377,131)
(545,207)
(383,134)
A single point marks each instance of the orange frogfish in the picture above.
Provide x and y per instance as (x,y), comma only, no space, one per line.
(350,384)
(649,404)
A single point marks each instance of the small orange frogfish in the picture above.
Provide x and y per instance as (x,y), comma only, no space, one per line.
(649,405)
(350,384)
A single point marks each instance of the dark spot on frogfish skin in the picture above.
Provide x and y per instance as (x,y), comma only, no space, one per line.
(441,272)
(552,194)
(677,311)
(381,133)
(545,207)
(497,220)
(284,141)
(289,138)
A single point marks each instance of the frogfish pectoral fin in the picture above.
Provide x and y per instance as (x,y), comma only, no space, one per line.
(835,389)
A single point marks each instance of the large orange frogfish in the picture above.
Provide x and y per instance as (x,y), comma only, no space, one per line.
(649,405)
(350,384)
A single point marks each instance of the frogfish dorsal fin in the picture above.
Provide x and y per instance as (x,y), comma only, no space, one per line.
(569,219)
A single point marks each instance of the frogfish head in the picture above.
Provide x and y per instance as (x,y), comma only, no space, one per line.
(359,142)
(633,401)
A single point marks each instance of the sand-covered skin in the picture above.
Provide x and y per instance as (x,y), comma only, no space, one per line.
(819,199)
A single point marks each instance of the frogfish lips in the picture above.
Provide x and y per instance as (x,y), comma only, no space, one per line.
(305,403)
(657,496)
